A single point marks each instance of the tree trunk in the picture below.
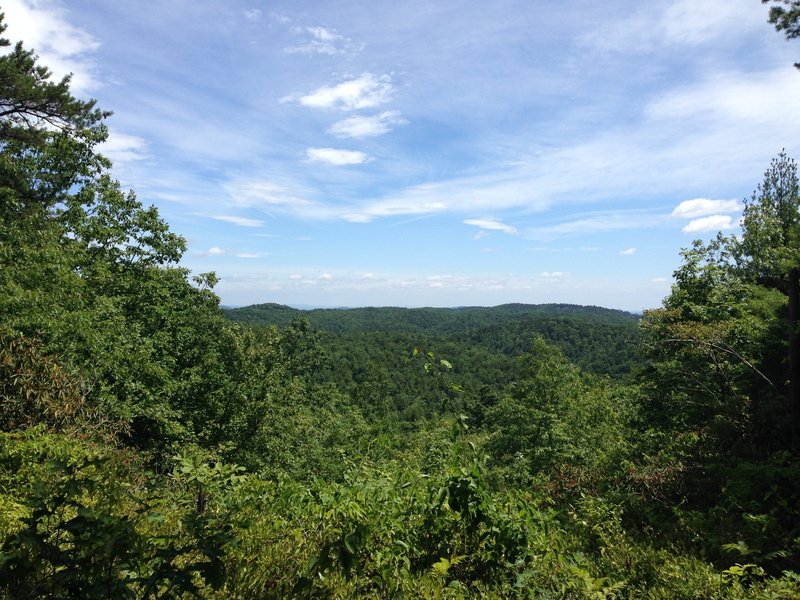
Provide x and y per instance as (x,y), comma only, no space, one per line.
(794,356)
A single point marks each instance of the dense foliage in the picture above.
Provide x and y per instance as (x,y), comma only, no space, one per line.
(151,447)
(596,339)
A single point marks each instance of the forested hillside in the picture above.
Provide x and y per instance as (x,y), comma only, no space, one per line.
(152,447)
(596,339)
(368,353)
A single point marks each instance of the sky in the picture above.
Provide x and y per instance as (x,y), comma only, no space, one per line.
(418,153)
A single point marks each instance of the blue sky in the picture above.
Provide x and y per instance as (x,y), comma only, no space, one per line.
(441,153)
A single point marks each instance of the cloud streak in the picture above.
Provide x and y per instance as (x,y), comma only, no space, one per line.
(336,157)
(491,225)
(362,127)
(240,221)
(322,40)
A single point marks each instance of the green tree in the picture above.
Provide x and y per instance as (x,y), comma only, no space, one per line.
(720,406)
(768,254)
(31,104)
(90,274)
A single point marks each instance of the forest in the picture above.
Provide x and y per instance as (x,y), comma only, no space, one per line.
(154,444)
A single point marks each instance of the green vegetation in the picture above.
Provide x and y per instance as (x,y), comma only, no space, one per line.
(598,340)
(153,447)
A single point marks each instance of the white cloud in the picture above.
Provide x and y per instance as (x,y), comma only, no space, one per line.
(710,223)
(248,255)
(701,207)
(692,22)
(628,252)
(366,91)
(361,127)
(121,148)
(326,277)
(255,194)
(491,225)
(252,14)
(334,156)
(215,251)
(677,23)
(295,276)
(555,274)
(736,98)
(240,221)
(322,41)
(62,47)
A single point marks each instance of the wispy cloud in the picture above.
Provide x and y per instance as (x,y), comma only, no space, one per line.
(240,221)
(679,23)
(701,207)
(121,148)
(252,14)
(482,193)
(491,225)
(732,97)
(361,127)
(366,91)
(602,221)
(628,252)
(260,194)
(710,223)
(337,157)
(691,22)
(215,251)
(322,40)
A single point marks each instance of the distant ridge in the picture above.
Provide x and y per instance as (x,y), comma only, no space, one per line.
(600,340)
(427,320)
(281,314)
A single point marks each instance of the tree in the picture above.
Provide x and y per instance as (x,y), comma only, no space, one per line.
(727,292)
(768,254)
(90,274)
(785,18)
(31,104)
